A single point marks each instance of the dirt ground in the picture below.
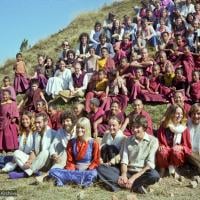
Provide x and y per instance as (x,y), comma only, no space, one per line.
(168,188)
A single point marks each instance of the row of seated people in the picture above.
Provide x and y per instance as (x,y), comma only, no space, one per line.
(146,80)
(72,154)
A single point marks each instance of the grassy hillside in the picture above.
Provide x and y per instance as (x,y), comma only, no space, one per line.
(82,23)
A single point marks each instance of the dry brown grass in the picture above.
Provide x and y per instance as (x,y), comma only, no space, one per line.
(165,190)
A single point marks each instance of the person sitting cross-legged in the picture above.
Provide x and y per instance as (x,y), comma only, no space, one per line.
(137,161)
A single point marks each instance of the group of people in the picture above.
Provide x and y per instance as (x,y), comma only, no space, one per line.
(96,139)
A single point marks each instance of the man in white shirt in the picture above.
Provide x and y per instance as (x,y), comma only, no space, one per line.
(39,157)
(137,161)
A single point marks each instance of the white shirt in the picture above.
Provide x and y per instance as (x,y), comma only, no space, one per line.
(61,138)
(194,136)
(65,76)
(116,141)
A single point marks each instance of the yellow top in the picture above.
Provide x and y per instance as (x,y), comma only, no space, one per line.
(101,63)
(168,79)
(101,85)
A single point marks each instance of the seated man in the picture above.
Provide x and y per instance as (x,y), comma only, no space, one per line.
(138,109)
(78,86)
(137,161)
(39,157)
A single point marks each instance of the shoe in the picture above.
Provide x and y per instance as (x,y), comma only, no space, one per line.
(17,175)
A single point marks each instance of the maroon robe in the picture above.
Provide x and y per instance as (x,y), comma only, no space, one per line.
(21,83)
(188,66)
(8,129)
(55,121)
(103,127)
(12,92)
(121,98)
(109,65)
(95,116)
(136,89)
(195,91)
(32,98)
(154,85)
(168,155)
(197,62)
(180,84)
(40,70)
(145,114)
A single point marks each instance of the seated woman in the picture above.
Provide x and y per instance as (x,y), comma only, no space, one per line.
(62,80)
(65,48)
(27,127)
(70,60)
(112,142)
(174,141)
(117,31)
(194,127)
(82,158)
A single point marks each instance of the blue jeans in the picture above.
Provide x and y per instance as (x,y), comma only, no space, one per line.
(110,175)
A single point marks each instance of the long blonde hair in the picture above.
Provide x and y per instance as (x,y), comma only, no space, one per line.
(170,113)
(85,123)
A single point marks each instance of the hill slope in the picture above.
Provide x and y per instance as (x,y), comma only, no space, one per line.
(82,23)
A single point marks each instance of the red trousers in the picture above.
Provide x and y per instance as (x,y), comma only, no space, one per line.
(169,156)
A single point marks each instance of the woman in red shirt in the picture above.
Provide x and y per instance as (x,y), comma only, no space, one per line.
(83,158)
